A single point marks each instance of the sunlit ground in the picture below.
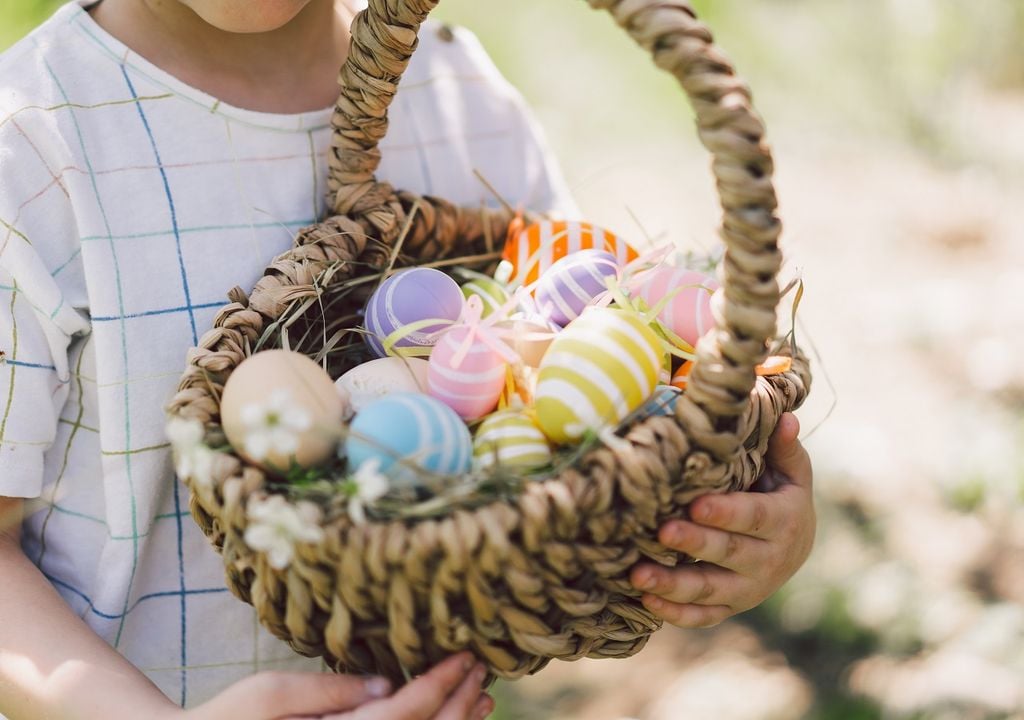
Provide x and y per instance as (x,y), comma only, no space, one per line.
(897,128)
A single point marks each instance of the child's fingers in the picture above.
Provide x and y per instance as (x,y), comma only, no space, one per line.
(271,695)
(700,584)
(786,453)
(483,708)
(422,698)
(461,703)
(731,550)
(687,616)
(755,514)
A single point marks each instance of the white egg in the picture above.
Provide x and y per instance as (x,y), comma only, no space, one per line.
(375,379)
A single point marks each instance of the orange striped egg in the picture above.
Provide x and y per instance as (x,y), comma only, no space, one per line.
(531,251)
(598,370)
(472,385)
(682,375)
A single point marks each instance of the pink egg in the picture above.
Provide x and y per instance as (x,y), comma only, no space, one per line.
(688,311)
(470,387)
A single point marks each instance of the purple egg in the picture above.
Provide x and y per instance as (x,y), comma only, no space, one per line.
(572,282)
(407,297)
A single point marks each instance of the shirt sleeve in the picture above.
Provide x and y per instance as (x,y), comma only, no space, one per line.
(548,191)
(36,323)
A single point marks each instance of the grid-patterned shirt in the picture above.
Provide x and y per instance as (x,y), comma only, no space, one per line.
(129,204)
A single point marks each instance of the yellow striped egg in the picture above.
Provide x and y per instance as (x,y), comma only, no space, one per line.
(598,370)
(509,438)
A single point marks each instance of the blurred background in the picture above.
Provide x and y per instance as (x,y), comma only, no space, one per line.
(898,132)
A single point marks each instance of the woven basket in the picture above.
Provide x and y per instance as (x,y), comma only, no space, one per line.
(545,575)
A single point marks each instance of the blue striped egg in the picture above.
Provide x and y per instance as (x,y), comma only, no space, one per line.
(511,439)
(411,296)
(406,431)
(661,404)
(597,371)
(571,283)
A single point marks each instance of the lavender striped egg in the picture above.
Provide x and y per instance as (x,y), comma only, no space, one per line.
(408,431)
(471,387)
(572,282)
(411,296)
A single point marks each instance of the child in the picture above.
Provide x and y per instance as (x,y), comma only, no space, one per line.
(153,154)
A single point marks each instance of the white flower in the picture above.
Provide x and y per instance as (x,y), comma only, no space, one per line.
(192,459)
(274,426)
(365,486)
(275,526)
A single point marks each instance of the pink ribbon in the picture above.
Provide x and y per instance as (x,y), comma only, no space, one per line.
(483,329)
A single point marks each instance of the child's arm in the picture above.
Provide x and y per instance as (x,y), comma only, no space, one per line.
(52,665)
(749,544)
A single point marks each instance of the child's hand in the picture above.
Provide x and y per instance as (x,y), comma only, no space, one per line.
(450,691)
(748,544)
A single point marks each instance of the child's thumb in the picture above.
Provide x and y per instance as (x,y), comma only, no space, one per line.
(786,454)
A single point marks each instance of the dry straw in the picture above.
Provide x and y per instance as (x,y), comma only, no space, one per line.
(542,574)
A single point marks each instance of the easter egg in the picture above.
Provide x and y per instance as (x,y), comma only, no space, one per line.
(687,313)
(470,384)
(529,339)
(374,379)
(596,372)
(510,439)
(280,407)
(407,432)
(661,403)
(572,282)
(492,293)
(529,252)
(682,376)
(408,297)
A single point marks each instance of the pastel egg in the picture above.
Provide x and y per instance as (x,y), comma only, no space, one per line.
(572,282)
(280,407)
(687,313)
(596,372)
(374,379)
(408,297)
(408,433)
(492,293)
(470,384)
(660,404)
(529,339)
(682,376)
(531,251)
(511,439)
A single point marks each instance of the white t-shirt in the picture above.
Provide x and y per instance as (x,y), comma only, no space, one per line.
(130,204)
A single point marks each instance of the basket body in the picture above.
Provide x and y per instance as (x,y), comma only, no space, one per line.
(544,575)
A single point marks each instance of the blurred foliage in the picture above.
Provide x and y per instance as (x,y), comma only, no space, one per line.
(18,17)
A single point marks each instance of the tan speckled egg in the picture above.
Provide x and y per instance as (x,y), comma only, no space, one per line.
(280,408)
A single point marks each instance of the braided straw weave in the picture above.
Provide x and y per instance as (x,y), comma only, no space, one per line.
(545,575)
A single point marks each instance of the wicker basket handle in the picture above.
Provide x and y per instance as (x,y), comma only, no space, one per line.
(384,37)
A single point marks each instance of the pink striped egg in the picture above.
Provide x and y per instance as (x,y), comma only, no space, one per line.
(688,312)
(470,387)
(572,282)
